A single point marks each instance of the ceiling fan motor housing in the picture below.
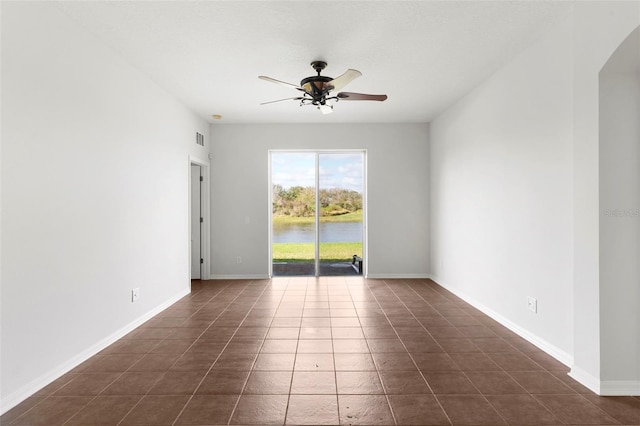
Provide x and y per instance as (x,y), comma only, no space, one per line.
(318,66)
(316,86)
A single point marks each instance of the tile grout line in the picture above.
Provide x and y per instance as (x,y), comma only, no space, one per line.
(295,355)
(409,353)
(367,343)
(375,363)
(333,352)
(259,350)
(310,281)
(254,359)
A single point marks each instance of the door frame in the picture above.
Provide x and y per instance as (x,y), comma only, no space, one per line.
(196,221)
(205,228)
(365,207)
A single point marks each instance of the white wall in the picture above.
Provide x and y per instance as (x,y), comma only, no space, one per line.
(398,201)
(620,215)
(95,178)
(501,194)
(599,28)
(550,96)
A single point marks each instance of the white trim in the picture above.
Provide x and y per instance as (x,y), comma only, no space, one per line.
(35,385)
(196,159)
(620,388)
(365,211)
(562,356)
(270,216)
(316,224)
(398,276)
(585,379)
(239,277)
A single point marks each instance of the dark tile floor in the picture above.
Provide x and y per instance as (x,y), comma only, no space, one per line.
(332,350)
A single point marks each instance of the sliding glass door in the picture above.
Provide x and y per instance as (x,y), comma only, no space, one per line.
(317,212)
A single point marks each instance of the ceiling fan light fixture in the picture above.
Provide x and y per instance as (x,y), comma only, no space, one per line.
(325,109)
(316,86)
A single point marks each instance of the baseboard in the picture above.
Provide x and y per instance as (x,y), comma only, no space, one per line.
(266,277)
(605,387)
(398,276)
(585,379)
(620,388)
(35,385)
(554,351)
(239,277)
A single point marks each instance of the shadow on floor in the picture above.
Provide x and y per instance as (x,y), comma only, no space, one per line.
(307,269)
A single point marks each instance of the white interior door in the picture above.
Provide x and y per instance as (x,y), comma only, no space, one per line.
(196,221)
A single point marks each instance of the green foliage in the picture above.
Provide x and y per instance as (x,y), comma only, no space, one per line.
(304,252)
(333,210)
(349,217)
(299,201)
(338,198)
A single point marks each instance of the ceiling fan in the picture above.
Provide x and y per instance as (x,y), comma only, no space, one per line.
(320,90)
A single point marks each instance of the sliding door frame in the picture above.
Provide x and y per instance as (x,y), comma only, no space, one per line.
(317,153)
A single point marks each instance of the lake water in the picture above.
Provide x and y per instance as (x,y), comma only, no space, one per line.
(330,232)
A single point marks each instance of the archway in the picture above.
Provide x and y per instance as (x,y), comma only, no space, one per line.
(619,224)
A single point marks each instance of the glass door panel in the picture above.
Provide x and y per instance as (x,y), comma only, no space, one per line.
(293,227)
(340,205)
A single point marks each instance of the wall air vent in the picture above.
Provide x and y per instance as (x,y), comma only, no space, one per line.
(199,139)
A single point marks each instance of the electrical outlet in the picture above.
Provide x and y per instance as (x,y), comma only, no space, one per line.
(238,260)
(135,294)
(532,304)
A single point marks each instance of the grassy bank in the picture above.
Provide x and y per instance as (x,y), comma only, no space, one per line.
(349,217)
(304,252)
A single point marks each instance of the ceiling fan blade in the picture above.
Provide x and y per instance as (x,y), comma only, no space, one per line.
(280,100)
(273,80)
(339,82)
(349,96)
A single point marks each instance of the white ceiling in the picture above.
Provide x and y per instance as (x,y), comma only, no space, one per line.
(423,54)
